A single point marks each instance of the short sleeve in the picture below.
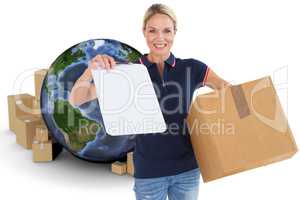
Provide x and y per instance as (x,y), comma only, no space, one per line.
(201,71)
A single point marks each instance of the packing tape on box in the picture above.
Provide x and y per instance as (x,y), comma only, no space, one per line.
(42,146)
(41,130)
(44,130)
(19,102)
(240,101)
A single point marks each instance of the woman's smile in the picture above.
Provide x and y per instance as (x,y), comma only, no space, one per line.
(160,46)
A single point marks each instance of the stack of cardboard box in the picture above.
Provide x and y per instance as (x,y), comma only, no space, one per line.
(25,120)
(26,130)
(118,168)
(43,147)
(121,168)
(18,106)
(41,133)
(39,76)
(22,121)
(130,166)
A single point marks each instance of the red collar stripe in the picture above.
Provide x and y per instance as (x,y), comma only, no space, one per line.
(206,75)
(173,65)
(141,61)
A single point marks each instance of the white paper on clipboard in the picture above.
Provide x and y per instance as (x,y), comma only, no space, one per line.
(127,100)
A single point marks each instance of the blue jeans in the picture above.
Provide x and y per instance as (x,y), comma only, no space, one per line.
(183,186)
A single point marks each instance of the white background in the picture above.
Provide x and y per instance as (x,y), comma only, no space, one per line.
(239,40)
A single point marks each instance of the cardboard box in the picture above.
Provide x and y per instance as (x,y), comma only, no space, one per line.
(118,168)
(45,151)
(41,133)
(39,76)
(42,151)
(130,165)
(36,109)
(25,130)
(239,128)
(18,105)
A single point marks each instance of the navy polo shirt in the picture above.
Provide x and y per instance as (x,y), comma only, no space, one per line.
(170,153)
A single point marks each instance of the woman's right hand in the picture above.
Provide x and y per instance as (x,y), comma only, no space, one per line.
(100,60)
(104,61)
(83,90)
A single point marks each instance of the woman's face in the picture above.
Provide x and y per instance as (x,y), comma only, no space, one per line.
(159,34)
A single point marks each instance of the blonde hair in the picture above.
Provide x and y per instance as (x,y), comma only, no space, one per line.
(159,9)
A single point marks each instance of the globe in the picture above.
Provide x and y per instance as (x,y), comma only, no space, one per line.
(80,129)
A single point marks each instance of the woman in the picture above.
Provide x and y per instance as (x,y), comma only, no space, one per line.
(164,163)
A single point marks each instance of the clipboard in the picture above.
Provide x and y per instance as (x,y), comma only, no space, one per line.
(127,100)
